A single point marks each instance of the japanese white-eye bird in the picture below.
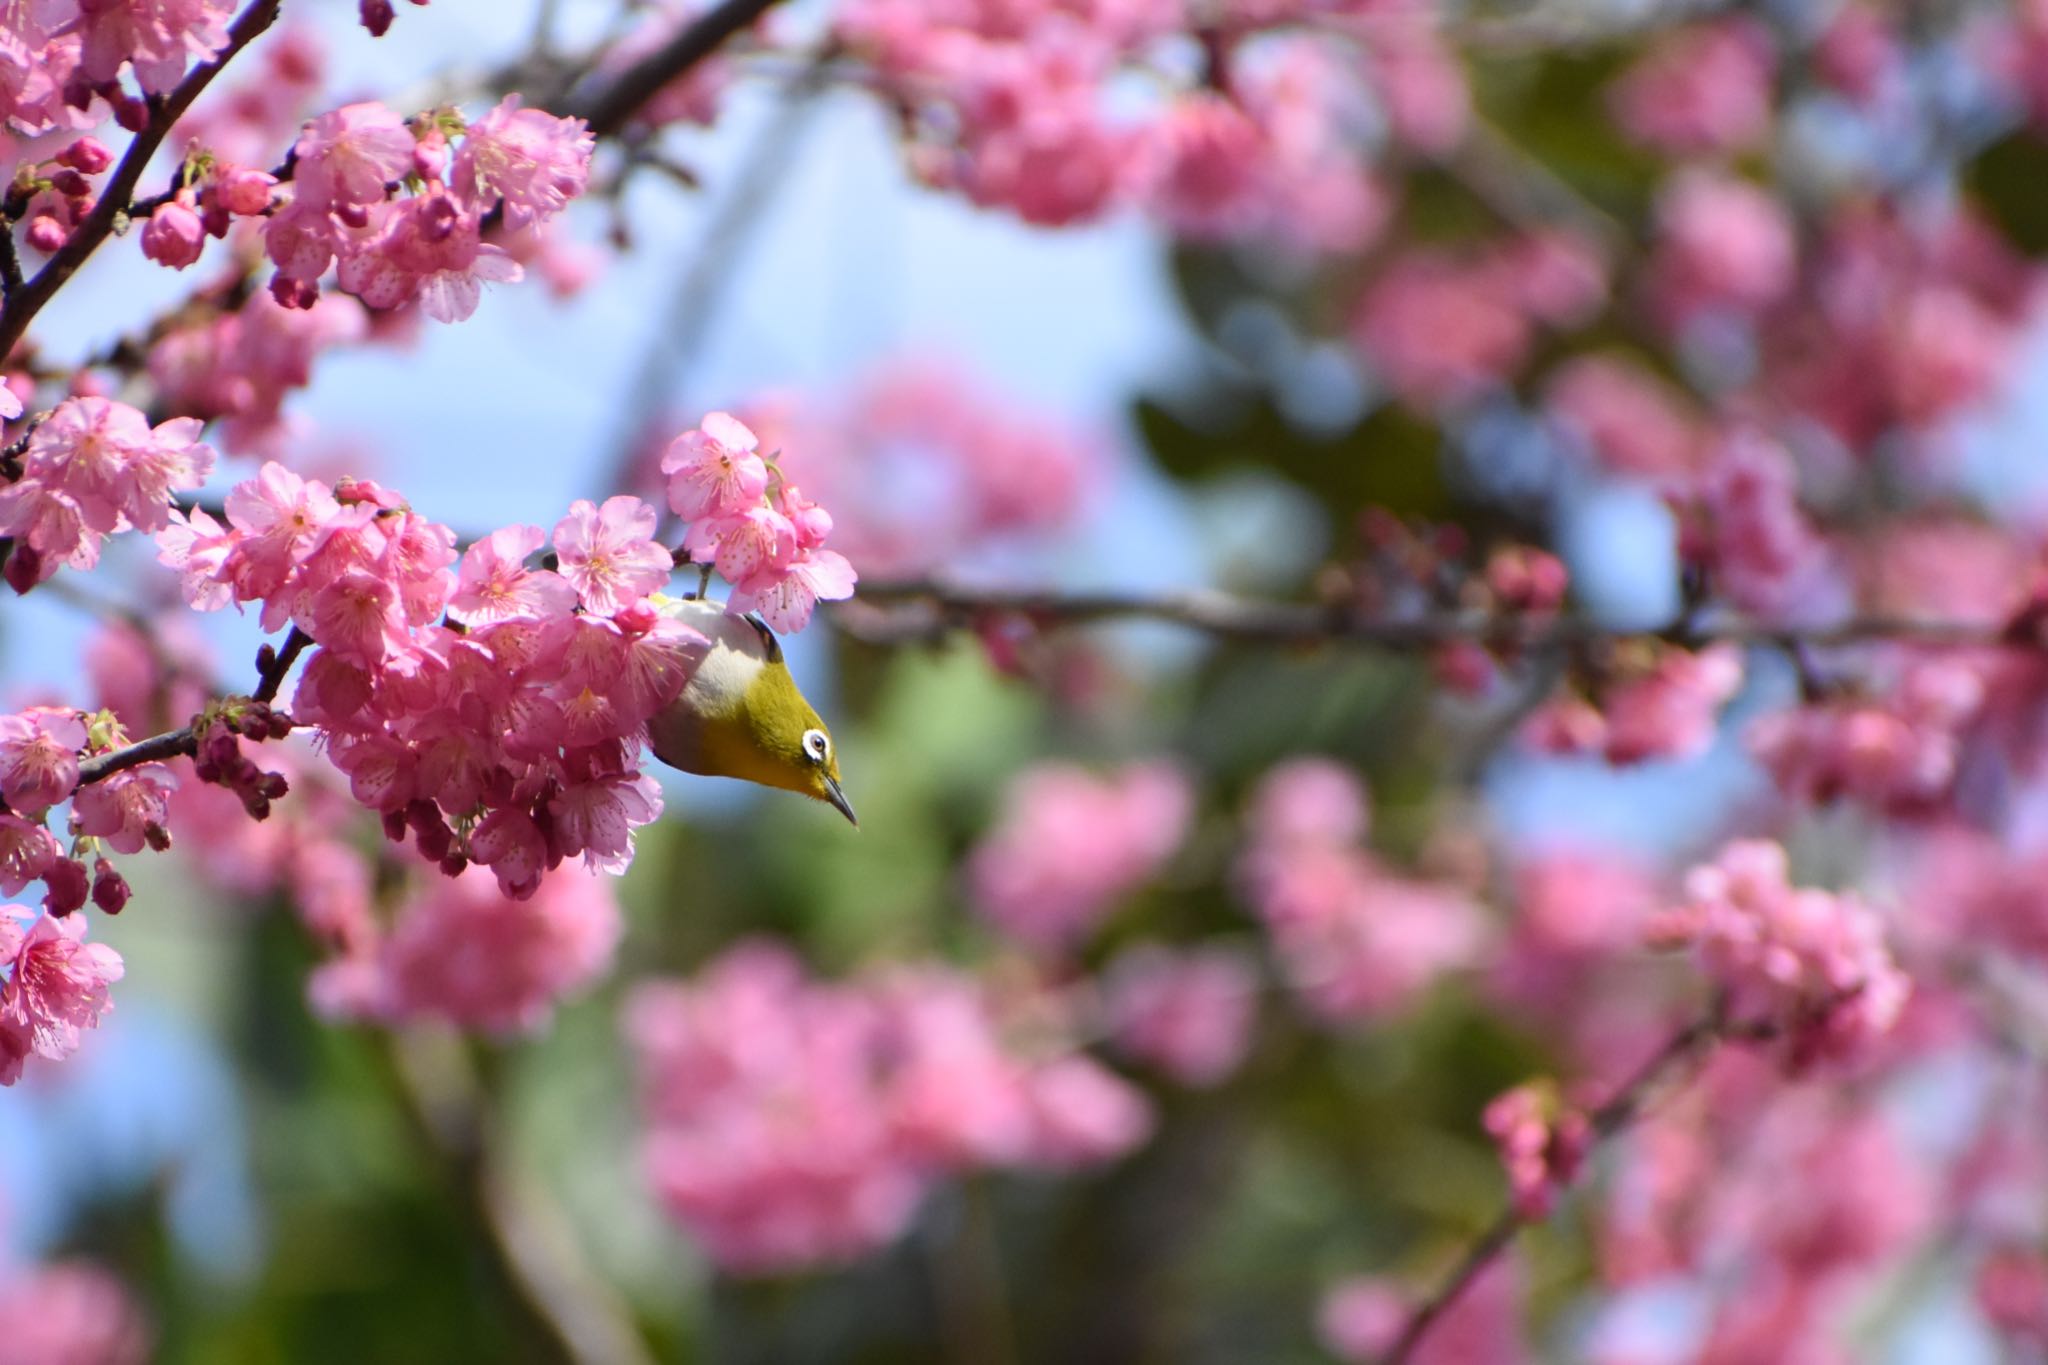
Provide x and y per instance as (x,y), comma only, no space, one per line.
(741,715)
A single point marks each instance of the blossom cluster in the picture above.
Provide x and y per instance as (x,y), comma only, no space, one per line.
(792,1122)
(1811,962)
(461,952)
(1542,1142)
(1356,939)
(428,246)
(509,736)
(56,986)
(91,468)
(1189,1012)
(1017,106)
(57,56)
(753,525)
(1068,845)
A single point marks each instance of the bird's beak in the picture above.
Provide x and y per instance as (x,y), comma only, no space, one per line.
(837,796)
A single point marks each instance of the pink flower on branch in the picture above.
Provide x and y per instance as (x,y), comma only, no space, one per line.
(1811,962)
(56,988)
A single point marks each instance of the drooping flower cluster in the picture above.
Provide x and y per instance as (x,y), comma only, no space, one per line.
(390,250)
(56,987)
(792,1122)
(1069,844)
(461,952)
(94,467)
(1355,939)
(55,55)
(509,739)
(760,532)
(1811,962)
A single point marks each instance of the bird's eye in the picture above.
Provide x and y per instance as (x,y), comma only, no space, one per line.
(817,745)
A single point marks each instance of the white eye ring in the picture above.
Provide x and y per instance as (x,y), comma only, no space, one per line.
(817,745)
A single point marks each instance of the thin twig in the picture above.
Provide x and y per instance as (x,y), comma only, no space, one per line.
(24,303)
(1683,1049)
(680,329)
(928,609)
(614,106)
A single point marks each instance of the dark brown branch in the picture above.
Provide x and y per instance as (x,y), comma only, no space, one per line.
(1683,1050)
(909,611)
(611,108)
(24,303)
(183,742)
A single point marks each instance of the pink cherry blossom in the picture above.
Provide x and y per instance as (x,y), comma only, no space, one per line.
(713,470)
(1069,844)
(1438,330)
(785,596)
(461,952)
(56,988)
(496,585)
(128,809)
(608,555)
(348,156)
(1723,244)
(1815,961)
(158,38)
(1700,89)
(531,160)
(1542,1143)
(1353,938)
(70,1313)
(1190,1013)
(39,752)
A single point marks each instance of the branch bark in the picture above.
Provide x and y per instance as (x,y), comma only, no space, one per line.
(25,302)
(921,609)
(611,108)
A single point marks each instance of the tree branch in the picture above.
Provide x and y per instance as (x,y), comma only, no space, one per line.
(183,742)
(909,611)
(609,109)
(24,303)
(1682,1050)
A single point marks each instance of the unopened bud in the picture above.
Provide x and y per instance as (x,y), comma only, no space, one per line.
(377,16)
(88,155)
(65,886)
(24,567)
(109,888)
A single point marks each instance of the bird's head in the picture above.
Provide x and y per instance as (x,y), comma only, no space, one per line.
(742,715)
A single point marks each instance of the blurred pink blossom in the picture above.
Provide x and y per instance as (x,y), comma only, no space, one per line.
(1189,1012)
(1069,844)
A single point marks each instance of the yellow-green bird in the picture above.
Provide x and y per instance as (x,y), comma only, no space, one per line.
(741,714)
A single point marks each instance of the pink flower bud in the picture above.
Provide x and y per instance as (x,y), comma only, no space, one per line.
(88,155)
(109,888)
(242,190)
(65,886)
(46,234)
(70,184)
(377,16)
(174,236)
